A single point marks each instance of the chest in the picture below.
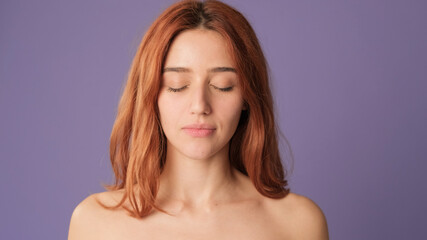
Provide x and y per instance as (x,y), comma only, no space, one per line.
(220,225)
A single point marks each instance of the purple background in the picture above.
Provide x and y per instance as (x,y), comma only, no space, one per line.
(349,80)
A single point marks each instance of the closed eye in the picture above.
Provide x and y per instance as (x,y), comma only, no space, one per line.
(227,89)
(176,89)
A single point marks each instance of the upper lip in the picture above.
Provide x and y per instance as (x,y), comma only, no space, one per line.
(199,126)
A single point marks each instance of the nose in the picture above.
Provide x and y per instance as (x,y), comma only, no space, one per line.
(200,103)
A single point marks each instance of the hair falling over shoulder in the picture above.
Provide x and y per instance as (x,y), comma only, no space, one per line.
(137,143)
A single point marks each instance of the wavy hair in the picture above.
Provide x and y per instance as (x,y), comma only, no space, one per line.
(137,143)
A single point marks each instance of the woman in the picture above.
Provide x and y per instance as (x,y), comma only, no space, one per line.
(194,146)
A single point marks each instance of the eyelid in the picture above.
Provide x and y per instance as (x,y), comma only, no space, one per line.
(177,89)
(226,89)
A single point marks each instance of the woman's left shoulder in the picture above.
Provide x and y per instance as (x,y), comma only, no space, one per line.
(306,218)
(301,206)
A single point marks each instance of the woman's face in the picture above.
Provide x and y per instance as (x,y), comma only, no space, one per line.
(200,99)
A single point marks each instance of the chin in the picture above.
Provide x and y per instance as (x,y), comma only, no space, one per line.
(199,152)
(204,150)
(198,149)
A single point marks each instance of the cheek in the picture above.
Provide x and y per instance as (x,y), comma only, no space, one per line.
(169,110)
(230,111)
(163,105)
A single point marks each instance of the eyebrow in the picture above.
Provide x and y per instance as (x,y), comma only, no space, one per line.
(185,70)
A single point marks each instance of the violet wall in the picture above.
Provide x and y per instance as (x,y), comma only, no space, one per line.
(349,80)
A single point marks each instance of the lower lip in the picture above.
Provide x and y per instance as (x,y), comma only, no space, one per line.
(199,132)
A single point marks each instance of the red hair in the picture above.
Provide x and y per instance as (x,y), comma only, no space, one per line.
(138,145)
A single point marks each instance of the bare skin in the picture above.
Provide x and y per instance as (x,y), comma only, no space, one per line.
(205,197)
(246,215)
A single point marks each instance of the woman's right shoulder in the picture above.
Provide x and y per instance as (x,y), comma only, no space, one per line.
(89,216)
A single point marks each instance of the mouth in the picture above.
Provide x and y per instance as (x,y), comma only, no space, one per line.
(199,130)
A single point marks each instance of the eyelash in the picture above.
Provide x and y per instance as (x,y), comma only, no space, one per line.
(176,89)
(227,89)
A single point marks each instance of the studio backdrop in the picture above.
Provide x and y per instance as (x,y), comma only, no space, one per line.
(349,84)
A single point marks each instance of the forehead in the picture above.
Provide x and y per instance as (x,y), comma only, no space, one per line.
(199,48)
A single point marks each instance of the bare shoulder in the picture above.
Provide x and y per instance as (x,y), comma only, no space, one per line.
(89,216)
(301,217)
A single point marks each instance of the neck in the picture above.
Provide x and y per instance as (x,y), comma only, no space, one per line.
(196,182)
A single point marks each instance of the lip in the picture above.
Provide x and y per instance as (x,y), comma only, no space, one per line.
(199,130)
